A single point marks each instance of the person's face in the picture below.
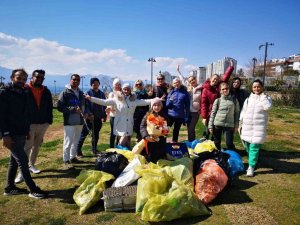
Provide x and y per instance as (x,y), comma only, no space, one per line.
(19,79)
(192,81)
(214,80)
(118,87)
(75,81)
(139,86)
(176,84)
(156,107)
(95,85)
(224,90)
(126,91)
(160,80)
(257,88)
(236,84)
(37,79)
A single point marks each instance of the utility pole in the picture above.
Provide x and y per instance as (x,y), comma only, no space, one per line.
(2,78)
(82,77)
(54,87)
(152,60)
(254,62)
(265,60)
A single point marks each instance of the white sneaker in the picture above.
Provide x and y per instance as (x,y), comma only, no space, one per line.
(33,169)
(250,172)
(19,178)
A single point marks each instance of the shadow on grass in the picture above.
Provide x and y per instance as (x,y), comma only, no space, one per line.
(279,162)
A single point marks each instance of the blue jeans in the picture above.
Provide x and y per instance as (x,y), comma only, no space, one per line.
(18,158)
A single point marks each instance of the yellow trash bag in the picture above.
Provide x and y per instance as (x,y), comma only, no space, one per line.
(205,146)
(128,154)
(180,202)
(153,182)
(181,170)
(90,191)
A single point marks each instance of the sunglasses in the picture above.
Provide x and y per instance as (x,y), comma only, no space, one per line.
(138,84)
(160,78)
(223,89)
(76,79)
(40,77)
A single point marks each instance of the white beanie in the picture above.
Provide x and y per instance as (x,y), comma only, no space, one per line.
(116,81)
(156,101)
(125,85)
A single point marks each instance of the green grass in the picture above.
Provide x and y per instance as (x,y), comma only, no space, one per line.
(271,197)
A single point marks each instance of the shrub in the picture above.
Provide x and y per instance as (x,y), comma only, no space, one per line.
(288,98)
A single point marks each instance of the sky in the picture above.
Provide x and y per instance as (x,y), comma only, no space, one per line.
(117,37)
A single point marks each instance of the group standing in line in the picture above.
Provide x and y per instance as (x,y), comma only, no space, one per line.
(26,113)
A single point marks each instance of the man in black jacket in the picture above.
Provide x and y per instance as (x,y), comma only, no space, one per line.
(15,118)
(42,116)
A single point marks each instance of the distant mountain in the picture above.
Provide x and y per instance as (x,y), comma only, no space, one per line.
(62,80)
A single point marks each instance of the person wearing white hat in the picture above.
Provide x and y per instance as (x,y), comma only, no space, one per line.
(124,103)
(112,111)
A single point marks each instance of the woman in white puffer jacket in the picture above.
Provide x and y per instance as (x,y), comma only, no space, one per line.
(253,120)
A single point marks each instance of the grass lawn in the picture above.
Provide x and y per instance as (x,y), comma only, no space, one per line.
(271,197)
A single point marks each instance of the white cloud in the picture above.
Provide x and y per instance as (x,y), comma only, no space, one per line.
(59,59)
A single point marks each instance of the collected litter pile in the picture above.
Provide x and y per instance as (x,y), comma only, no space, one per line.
(167,190)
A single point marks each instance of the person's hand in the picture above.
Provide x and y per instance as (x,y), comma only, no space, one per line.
(204,122)
(163,98)
(7,142)
(77,109)
(231,62)
(87,97)
(210,130)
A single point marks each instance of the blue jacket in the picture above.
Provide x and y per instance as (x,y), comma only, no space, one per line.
(178,103)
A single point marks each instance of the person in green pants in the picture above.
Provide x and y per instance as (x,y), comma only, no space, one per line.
(253,122)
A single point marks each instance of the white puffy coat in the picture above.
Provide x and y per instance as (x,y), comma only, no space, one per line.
(123,123)
(254,118)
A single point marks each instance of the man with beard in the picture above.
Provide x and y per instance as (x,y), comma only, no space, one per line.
(42,117)
(15,118)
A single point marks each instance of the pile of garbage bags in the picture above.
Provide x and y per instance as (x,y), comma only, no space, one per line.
(166,190)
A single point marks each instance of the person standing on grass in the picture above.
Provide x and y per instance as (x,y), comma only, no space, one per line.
(253,122)
(42,117)
(178,105)
(125,103)
(94,121)
(210,93)
(224,117)
(71,103)
(140,111)
(111,110)
(15,119)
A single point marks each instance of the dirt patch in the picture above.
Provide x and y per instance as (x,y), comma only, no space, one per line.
(54,132)
(242,214)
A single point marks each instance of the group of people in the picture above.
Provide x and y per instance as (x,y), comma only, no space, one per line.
(26,113)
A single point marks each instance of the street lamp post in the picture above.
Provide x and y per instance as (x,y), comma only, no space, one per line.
(2,83)
(82,77)
(54,87)
(152,60)
(254,62)
(265,60)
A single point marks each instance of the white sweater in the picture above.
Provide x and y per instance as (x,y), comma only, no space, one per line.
(254,118)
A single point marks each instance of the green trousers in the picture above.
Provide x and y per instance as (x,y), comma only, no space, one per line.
(253,152)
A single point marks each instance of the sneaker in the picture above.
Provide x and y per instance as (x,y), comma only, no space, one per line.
(38,193)
(79,155)
(14,191)
(19,178)
(68,165)
(250,172)
(33,169)
(75,160)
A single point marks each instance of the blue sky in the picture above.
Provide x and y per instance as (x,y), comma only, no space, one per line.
(117,37)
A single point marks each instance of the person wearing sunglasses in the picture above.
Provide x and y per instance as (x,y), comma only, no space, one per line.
(224,117)
(160,90)
(140,111)
(71,103)
(15,119)
(42,117)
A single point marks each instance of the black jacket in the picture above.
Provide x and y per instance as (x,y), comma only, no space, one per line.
(15,111)
(43,114)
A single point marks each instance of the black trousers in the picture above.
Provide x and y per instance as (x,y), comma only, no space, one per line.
(95,128)
(217,134)
(177,124)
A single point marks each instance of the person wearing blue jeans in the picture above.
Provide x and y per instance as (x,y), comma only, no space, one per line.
(15,118)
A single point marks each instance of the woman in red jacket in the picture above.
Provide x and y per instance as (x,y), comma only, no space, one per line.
(210,93)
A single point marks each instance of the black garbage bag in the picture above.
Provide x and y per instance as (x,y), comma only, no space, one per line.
(111,162)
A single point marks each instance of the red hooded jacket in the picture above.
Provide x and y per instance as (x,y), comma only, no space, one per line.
(211,93)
